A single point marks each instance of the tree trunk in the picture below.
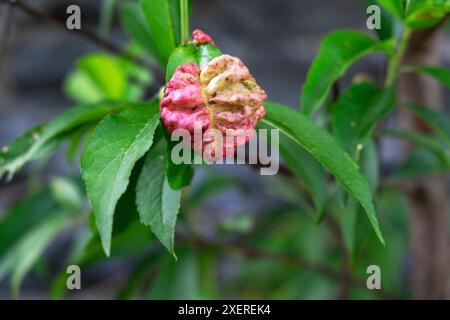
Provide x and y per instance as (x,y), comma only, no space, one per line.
(428,196)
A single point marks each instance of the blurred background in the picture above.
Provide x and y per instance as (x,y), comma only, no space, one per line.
(262,240)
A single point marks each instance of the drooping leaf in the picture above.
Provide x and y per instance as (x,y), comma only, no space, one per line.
(437,120)
(439,73)
(26,147)
(133,20)
(157,202)
(327,151)
(338,51)
(109,157)
(159,18)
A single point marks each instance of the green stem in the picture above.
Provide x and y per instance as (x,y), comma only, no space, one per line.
(184,13)
(394,64)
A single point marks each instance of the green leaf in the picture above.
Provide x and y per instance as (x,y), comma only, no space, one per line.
(338,51)
(420,162)
(440,122)
(181,55)
(175,15)
(348,217)
(101,76)
(439,73)
(439,147)
(212,184)
(28,146)
(305,167)
(109,157)
(159,18)
(23,256)
(157,203)
(23,216)
(370,164)
(177,279)
(327,151)
(189,53)
(67,193)
(59,282)
(395,7)
(390,26)
(179,175)
(133,20)
(207,52)
(105,73)
(357,111)
(426,13)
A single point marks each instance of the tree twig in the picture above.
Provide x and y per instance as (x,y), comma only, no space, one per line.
(89,35)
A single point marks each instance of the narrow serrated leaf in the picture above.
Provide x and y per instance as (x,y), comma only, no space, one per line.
(109,157)
(26,147)
(327,151)
(157,202)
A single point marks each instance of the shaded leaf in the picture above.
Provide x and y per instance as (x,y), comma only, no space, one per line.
(159,18)
(25,253)
(440,122)
(338,51)
(327,151)
(304,166)
(395,7)
(439,73)
(206,52)
(157,202)
(177,280)
(357,111)
(440,148)
(181,55)
(109,157)
(134,22)
(420,162)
